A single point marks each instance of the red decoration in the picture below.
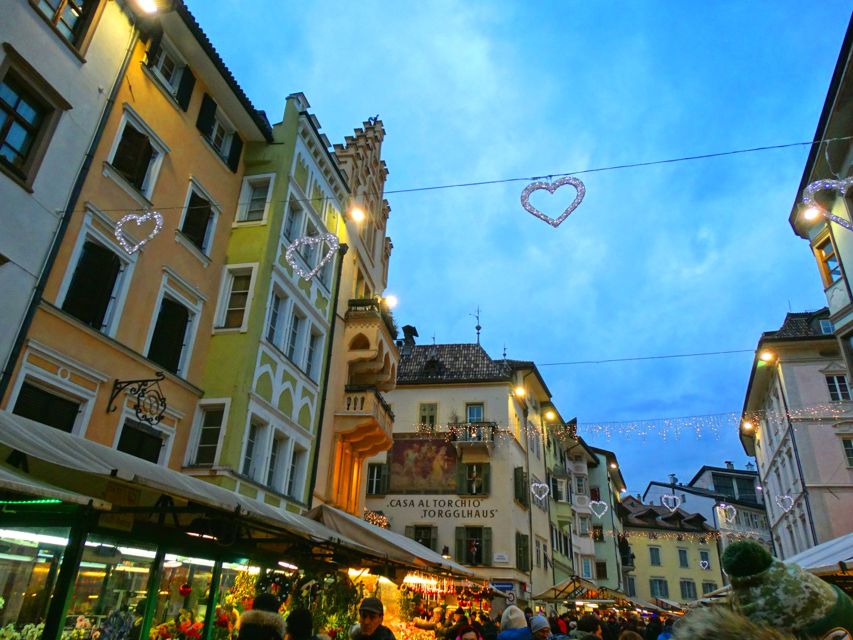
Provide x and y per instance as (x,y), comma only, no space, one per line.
(185,590)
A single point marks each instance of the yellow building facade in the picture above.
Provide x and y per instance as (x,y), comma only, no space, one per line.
(119,306)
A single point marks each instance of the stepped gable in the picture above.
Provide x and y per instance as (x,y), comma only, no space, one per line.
(450,364)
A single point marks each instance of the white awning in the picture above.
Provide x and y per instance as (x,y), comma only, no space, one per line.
(569,589)
(826,558)
(72,452)
(15,480)
(394,545)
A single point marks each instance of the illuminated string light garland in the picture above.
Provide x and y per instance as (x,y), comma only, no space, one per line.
(377,519)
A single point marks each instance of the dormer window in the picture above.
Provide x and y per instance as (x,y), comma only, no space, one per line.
(826,326)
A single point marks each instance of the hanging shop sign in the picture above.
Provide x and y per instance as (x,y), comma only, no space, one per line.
(150,401)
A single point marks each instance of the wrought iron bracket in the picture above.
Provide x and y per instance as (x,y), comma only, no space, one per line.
(150,401)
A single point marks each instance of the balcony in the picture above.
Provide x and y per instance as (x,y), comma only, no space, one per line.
(560,471)
(364,416)
(625,554)
(369,334)
(471,435)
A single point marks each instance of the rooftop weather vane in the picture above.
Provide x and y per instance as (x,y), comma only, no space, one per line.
(478,327)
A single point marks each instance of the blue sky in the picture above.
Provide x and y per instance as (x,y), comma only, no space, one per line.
(670,259)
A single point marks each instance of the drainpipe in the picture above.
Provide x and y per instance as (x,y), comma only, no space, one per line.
(18,345)
(342,251)
(796,452)
(611,504)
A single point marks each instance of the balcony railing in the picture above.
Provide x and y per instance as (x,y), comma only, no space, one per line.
(474,432)
(374,306)
(362,400)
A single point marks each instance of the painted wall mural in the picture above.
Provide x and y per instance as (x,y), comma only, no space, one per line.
(422,465)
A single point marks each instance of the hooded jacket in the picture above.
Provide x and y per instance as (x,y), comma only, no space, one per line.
(515,634)
(257,624)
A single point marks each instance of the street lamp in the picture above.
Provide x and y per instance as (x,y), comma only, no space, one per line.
(767,356)
(390,301)
(357,214)
(520,392)
(550,415)
(147,6)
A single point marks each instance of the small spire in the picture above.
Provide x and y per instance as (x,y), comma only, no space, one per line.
(504,350)
(478,327)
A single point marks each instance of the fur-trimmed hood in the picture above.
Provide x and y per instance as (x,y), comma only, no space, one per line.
(254,621)
(721,623)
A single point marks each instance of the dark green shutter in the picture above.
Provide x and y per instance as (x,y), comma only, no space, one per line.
(433,538)
(460,545)
(185,88)
(517,479)
(487,479)
(525,552)
(487,546)
(234,152)
(518,556)
(154,47)
(206,113)
(410,532)
(461,477)
(383,479)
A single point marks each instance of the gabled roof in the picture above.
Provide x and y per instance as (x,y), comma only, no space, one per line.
(731,472)
(651,516)
(451,364)
(705,493)
(800,324)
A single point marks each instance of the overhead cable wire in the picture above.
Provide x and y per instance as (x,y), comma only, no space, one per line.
(638,358)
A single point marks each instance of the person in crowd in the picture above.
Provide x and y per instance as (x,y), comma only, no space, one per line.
(627,634)
(666,634)
(468,632)
(653,628)
(459,620)
(489,628)
(299,625)
(528,613)
(514,625)
(262,621)
(540,629)
(589,628)
(371,614)
(563,625)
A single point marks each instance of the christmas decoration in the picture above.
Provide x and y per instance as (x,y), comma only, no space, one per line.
(670,501)
(328,238)
(185,589)
(704,564)
(598,508)
(540,490)
(785,503)
(551,187)
(809,199)
(377,519)
(138,219)
(728,513)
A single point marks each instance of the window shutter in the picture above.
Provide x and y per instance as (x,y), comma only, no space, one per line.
(185,88)
(519,564)
(460,545)
(487,546)
(433,539)
(487,479)
(410,532)
(525,548)
(461,478)
(517,478)
(234,152)
(206,113)
(154,47)
(383,479)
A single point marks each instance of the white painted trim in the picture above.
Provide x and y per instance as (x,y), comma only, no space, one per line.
(186,284)
(62,359)
(122,284)
(168,433)
(195,436)
(192,328)
(130,115)
(216,212)
(227,280)
(245,196)
(179,60)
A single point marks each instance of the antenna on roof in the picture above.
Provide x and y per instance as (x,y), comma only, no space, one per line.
(478,327)
(433,338)
(504,350)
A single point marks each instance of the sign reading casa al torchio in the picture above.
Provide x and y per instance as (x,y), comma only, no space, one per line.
(445,507)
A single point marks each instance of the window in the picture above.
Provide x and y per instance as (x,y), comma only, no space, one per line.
(29,112)
(249,455)
(826,326)
(219,132)
(377,479)
(474,412)
(473,478)
(598,533)
(426,416)
(688,589)
(583,525)
(170,69)
(169,341)
(705,560)
(538,546)
(474,545)
(208,438)
(601,571)
(631,586)
(682,558)
(654,556)
(140,440)
(708,587)
(827,260)
(198,223)
(292,220)
(594,493)
(275,328)
(522,552)
(254,199)
(427,536)
(309,252)
(91,294)
(520,489)
(70,18)
(580,485)
(659,588)
(312,365)
(293,336)
(46,407)
(295,479)
(848,450)
(237,287)
(275,461)
(838,389)
(137,154)
(586,568)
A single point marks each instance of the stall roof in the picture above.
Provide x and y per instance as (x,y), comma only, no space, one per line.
(72,452)
(827,557)
(14,480)
(394,545)
(569,589)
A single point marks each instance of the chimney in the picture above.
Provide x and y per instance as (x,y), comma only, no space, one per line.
(409,335)
(729,464)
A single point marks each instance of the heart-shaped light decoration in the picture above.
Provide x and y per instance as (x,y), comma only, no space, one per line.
(551,187)
(329,238)
(540,490)
(785,503)
(811,191)
(598,508)
(670,501)
(138,219)
(705,564)
(729,512)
